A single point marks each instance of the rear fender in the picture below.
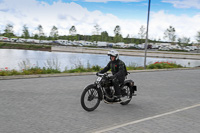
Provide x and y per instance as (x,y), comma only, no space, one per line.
(131,84)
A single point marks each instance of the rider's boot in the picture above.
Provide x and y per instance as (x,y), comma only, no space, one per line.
(117,97)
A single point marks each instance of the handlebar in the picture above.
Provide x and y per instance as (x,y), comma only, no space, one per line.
(102,74)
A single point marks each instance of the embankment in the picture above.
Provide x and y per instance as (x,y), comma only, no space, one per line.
(155,54)
(25,46)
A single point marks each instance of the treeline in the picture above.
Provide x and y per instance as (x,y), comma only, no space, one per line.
(102,38)
(54,35)
(99,35)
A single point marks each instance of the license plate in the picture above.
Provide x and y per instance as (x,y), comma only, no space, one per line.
(99,79)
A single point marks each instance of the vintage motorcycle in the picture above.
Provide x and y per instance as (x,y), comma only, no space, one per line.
(103,89)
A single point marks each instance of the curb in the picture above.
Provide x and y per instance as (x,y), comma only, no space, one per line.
(84,73)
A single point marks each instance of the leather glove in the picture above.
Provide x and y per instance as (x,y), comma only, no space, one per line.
(98,73)
(112,77)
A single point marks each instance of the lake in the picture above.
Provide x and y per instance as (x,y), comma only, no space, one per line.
(17,59)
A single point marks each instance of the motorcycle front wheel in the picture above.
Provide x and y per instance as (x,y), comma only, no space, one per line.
(90,98)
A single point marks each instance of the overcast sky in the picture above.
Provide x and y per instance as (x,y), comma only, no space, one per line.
(130,15)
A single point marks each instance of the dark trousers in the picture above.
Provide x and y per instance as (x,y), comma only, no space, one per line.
(116,82)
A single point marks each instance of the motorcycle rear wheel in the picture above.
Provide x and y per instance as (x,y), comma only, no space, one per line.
(128,95)
(90,98)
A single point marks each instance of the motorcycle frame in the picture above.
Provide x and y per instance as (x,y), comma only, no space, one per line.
(100,89)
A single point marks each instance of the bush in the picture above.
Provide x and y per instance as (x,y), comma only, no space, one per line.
(96,68)
(82,69)
(163,65)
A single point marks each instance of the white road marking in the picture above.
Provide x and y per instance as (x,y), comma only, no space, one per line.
(148,118)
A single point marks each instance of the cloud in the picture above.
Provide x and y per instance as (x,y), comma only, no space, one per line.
(104,1)
(184,3)
(64,15)
(185,26)
(4,10)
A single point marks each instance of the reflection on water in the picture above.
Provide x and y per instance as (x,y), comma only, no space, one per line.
(11,58)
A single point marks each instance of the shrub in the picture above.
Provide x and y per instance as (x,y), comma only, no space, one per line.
(163,65)
(96,68)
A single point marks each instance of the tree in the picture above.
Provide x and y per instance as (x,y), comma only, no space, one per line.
(117,30)
(40,32)
(184,41)
(8,32)
(127,39)
(35,36)
(170,34)
(96,37)
(118,37)
(97,30)
(25,32)
(104,36)
(72,30)
(142,32)
(54,33)
(198,39)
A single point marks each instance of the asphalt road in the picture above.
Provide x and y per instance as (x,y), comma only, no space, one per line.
(166,102)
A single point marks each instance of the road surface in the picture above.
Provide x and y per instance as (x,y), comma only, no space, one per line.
(166,102)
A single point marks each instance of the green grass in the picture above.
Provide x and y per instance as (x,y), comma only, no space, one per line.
(24,46)
(80,69)
(174,50)
(30,71)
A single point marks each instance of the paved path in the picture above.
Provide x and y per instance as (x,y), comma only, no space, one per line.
(166,102)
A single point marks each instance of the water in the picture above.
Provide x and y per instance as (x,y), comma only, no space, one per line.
(12,58)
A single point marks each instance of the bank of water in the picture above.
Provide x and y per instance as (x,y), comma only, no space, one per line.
(13,59)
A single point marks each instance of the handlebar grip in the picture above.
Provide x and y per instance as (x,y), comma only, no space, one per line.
(101,74)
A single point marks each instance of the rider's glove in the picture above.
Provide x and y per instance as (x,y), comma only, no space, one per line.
(112,77)
(97,73)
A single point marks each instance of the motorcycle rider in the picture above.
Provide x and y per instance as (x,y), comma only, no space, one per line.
(118,70)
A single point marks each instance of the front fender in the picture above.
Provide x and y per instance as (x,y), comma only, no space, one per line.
(100,94)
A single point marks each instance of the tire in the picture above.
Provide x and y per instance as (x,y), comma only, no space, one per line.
(90,98)
(128,96)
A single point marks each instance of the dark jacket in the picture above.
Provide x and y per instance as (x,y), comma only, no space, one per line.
(117,68)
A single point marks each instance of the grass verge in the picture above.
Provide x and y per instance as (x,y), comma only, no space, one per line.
(80,69)
(4,45)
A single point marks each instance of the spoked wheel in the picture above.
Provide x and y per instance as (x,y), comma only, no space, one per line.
(90,98)
(127,92)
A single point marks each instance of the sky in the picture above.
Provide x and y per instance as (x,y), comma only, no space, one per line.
(130,15)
